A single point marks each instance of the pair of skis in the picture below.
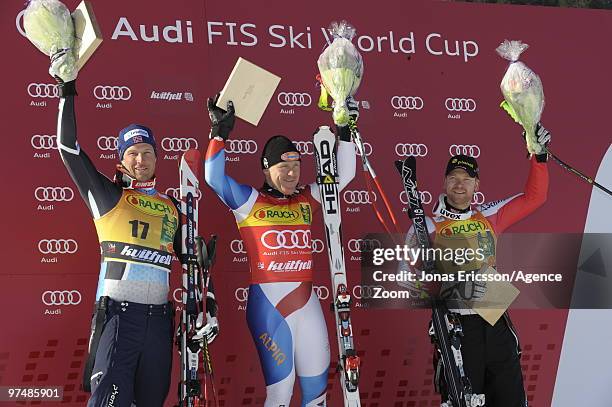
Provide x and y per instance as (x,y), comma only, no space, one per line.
(327,180)
(445,330)
(197,258)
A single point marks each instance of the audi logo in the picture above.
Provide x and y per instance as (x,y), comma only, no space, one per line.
(44,142)
(364,291)
(176,193)
(173,192)
(177,294)
(414,150)
(425,197)
(72,297)
(478,198)
(286,239)
(359,197)
(471,150)
(460,105)
(367,149)
(304,147)
(178,144)
(43,90)
(109,92)
(317,246)
(237,247)
(294,99)
(54,194)
(58,246)
(363,245)
(241,294)
(241,146)
(107,143)
(321,291)
(407,102)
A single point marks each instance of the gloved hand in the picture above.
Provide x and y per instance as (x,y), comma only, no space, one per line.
(344,132)
(208,331)
(544,137)
(63,66)
(222,122)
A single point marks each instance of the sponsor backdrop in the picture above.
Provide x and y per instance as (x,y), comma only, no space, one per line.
(431,89)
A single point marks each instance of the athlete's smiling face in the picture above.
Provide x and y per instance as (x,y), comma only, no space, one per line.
(284,176)
(460,188)
(139,160)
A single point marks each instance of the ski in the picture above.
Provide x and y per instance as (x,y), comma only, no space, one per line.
(327,173)
(196,259)
(445,330)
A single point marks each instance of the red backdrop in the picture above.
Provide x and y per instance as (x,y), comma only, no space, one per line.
(404,52)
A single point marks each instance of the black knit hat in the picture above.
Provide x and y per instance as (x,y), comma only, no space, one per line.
(277,149)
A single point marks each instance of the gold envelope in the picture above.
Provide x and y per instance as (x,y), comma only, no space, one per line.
(250,88)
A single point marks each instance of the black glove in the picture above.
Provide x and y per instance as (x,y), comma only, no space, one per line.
(67,88)
(344,132)
(222,122)
(544,137)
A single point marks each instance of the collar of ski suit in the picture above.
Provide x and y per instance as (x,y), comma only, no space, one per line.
(443,209)
(128,182)
(269,190)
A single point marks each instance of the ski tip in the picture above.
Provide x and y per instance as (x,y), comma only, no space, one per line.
(399,164)
(193,158)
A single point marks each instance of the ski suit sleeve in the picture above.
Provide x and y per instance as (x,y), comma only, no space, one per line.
(99,193)
(346,168)
(502,214)
(233,194)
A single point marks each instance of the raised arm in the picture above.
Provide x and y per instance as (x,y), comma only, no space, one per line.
(99,193)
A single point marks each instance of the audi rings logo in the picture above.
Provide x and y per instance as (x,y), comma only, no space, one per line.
(109,92)
(304,147)
(237,246)
(43,142)
(178,144)
(471,150)
(478,198)
(407,102)
(414,150)
(363,245)
(286,239)
(43,90)
(241,146)
(173,192)
(241,294)
(321,291)
(107,143)
(57,246)
(359,197)
(54,194)
(460,105)
(425,197)
(317,246)
(364,292)
(294,99)
(176,193)
(66,297)
(367,149)
(177,294)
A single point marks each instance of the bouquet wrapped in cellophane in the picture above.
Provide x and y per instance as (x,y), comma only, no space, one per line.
(49,26)
(341,69)
(523,93)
